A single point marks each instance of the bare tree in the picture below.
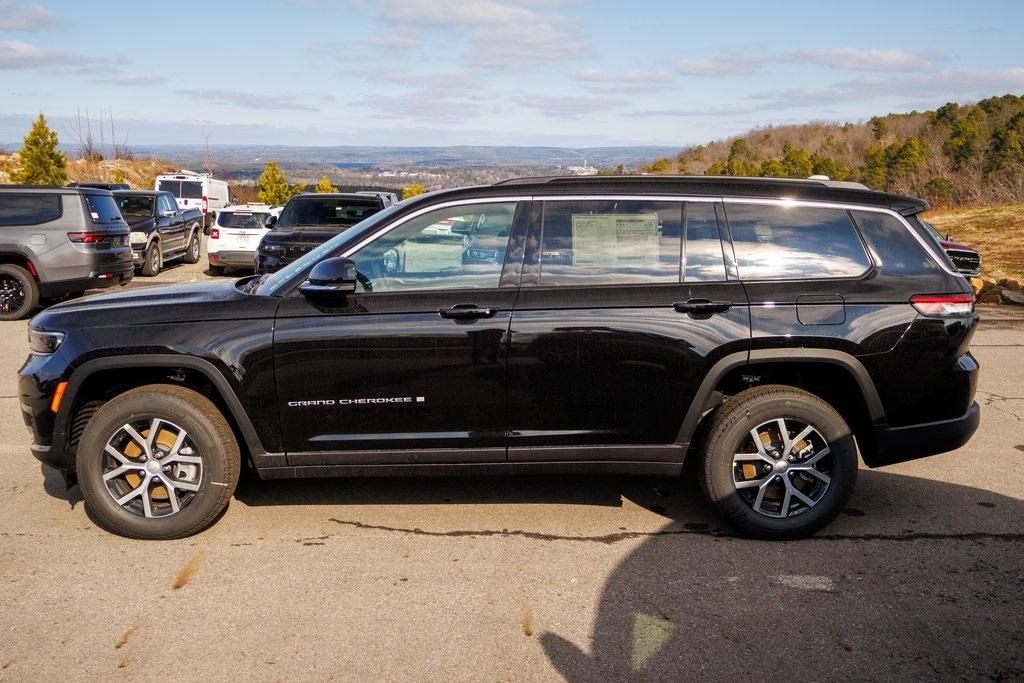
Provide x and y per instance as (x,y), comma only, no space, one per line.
(207,155)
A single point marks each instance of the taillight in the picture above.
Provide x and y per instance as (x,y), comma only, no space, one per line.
(87,237)
(214,234)
(205,204)
(943,304)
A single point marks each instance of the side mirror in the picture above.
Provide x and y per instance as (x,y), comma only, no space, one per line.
(461,228)
(950,238)
(331,277)
(271,221)
(167,214)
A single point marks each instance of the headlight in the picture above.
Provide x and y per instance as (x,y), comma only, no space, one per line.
(137,237)
(44,343)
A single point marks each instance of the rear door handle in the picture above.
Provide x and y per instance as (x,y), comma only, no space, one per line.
(466,312)
(701,307)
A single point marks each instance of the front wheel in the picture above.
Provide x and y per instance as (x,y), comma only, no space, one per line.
(157,462)
(151,264)
(193,249)
(779,462)
(19,293)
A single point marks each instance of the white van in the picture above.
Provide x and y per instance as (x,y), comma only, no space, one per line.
(236,234)
(196,191)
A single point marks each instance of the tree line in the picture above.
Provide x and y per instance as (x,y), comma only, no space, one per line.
(954,155)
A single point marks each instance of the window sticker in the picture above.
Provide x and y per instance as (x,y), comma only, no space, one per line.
(616,239)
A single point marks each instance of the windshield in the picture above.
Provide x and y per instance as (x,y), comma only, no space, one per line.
(102,208)
(135,206)
(242,221)
(325,212)
(270,285)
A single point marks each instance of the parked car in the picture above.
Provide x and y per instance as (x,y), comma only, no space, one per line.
(767,328)
(236,234)
(57,243)
(196,191)
(160,231)
(387,198)
(966,259)
(309,220)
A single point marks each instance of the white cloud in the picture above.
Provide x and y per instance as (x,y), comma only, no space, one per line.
(15,54)
(570,106)
(25,17)
(848,59)
(422,105)
(721,66)
(247,100)
(130,80)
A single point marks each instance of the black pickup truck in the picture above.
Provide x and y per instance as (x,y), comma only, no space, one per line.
(160,231)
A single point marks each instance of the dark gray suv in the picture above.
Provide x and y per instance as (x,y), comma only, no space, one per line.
(57,242)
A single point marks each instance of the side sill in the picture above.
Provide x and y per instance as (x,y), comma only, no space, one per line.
(664,469)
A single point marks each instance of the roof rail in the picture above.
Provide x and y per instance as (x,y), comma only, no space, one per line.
(822,181)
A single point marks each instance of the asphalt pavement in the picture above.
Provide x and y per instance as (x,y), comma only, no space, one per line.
(532,578)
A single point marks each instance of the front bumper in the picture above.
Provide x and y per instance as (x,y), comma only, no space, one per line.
(900,444)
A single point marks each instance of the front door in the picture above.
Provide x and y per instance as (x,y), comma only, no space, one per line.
(411,368)
(624,306)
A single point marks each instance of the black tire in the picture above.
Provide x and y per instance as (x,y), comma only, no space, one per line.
(216,270)
(193,250)
(214,445)
(730,433)
(19,292)
(152,262)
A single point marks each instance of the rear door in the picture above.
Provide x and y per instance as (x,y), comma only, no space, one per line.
(625,304)
(411,368)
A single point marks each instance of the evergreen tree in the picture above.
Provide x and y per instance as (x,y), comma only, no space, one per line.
(772,168)
(325,185)
(273,185)
(40,163)
(796,162)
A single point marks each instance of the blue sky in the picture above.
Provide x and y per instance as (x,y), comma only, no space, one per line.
(492,72)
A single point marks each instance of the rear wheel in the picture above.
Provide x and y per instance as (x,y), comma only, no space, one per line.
(779,462)
(216,270)
(193,249)
(151,264)
(157,462)
(19,293)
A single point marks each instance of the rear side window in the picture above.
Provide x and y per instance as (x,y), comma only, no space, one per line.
(609,242)
(172,186)
(102,208)
(28,208)
(703,258)
(779,242)
(895,249)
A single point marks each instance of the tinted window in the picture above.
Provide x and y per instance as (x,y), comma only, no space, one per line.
(135,206)
(604,242)
(28,209)
(794,242)
(326,212)
(172,186)
(460,247)
(190,190)
(167,204)
(102,208)
(894,247)
(245,221)
(703,257)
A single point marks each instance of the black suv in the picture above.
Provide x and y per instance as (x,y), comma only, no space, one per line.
(768,328)
(309,220)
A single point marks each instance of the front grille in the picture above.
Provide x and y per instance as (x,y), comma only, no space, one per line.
(293,251)
(967,262)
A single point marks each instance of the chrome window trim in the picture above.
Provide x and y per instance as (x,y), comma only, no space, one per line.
(498,199)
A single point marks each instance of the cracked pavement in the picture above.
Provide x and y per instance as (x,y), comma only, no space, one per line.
(532,578)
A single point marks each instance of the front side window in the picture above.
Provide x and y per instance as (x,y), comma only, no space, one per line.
(28,208)
(780,242)
(597,242)
(167,204)
(459,247)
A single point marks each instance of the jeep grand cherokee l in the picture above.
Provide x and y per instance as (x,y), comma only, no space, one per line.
(768,328)
(57,242)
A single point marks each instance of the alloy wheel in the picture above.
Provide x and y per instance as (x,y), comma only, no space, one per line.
(783,468)
(151,468)
(12,294)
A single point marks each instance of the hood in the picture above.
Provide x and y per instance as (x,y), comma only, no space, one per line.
(305,234)
(179,304)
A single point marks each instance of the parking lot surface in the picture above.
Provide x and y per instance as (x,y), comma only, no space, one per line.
(528,578)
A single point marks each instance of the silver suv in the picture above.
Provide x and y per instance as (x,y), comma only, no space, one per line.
(57,242)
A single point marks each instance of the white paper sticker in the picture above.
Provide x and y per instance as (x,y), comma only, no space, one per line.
(95,216)
(615,239)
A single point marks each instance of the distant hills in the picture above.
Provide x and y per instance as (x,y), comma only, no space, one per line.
(954,155)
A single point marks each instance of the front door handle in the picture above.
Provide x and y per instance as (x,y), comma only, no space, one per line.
(701,307)
(466,312)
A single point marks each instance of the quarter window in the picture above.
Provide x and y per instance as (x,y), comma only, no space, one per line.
(28,208)
(608,242)
(778,242)
(460,247)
